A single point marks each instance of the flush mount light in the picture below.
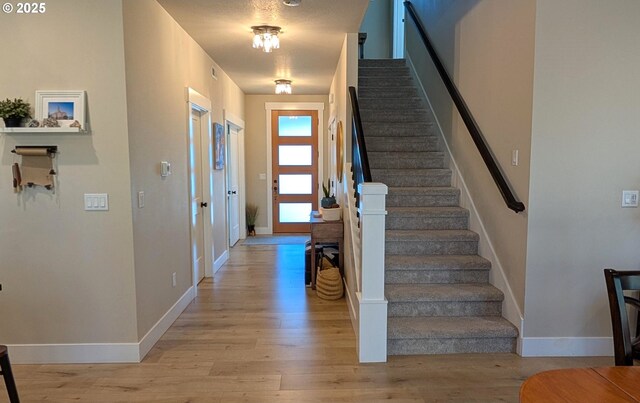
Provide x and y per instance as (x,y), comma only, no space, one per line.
(292,3)
(283,86)
(265,37)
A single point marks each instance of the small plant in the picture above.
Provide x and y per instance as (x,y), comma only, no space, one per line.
(16,109)
(329,200)
(251,213)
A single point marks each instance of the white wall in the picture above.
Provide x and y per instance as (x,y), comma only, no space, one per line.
(67,274)
(378,24)
(161,61)
(584,153)
(488,48)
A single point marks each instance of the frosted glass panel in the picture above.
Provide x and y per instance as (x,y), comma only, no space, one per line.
(294,155)
(294,184)
(295,212)
(294,126)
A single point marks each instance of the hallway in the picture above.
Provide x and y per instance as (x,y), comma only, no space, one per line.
(257,335)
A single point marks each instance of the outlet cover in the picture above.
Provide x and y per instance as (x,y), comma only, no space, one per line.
(630,198)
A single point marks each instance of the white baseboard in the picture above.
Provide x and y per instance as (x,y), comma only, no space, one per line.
(99,353)
(510,309)
(220,261)
(263,231)
(161,326)
(567,346)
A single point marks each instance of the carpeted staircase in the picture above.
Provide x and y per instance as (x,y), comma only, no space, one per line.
(440,299)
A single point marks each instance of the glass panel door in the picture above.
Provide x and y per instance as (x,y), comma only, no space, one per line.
(294,165)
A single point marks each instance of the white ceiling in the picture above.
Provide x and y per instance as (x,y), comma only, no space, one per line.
(309,45)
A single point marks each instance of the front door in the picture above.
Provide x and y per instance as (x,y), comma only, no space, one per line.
(295,169)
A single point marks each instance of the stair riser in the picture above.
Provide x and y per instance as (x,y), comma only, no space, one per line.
(386,104)
(396,72)
(426,222)
(416,110)
(436,276)
(451,346)
(397,162)
(393,130)
(424,144)
(446,308)
(414,180)
(382,63)
(388,92)
(405,247)
(378,82)
(371,117)
(423,200)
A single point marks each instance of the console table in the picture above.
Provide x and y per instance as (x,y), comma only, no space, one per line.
(325,232)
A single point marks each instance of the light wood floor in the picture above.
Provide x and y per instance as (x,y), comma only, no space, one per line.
(255,334)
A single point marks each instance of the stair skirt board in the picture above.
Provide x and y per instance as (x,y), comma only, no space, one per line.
(439,297)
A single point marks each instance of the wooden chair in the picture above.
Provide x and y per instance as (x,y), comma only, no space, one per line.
(5,370)
(625,342)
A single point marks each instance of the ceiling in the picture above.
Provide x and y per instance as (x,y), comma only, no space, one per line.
(310,42)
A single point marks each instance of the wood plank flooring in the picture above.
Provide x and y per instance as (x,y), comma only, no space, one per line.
(256,334)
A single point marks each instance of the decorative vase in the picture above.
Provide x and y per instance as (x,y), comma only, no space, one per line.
(251,230)
(12,121)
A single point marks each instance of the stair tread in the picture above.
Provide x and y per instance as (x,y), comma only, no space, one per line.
(436,262)
(412,171)
(450,211)
(462,327)
(421,190)
(431,235)
(442,292)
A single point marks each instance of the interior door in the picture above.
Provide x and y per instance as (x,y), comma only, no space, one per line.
(233,191)
(294,169)
(197,201)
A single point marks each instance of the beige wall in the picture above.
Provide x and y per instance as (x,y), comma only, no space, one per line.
(67,274)
(161,61)
(256,146)
(584,153)
(378,24)
(488,47)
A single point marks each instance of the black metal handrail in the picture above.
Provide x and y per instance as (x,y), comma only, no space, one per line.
(359,158)
(467,117)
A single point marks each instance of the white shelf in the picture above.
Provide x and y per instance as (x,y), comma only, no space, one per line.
(40,130)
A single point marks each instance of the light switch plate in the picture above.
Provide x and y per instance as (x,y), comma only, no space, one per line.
(140,199)
(96,201)
(165,168)
(630,198)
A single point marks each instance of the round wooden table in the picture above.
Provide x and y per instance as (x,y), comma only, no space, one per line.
(583,385)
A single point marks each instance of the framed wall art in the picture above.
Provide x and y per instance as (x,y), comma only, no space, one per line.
(219,146)
(66,107)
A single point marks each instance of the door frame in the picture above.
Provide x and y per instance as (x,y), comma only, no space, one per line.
(232,120)
(196,101)
(291,106)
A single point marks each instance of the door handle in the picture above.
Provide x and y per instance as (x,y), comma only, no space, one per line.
(228,192)
(234,192)
(203,204)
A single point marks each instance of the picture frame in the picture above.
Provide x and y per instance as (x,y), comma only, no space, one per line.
(218,131)
(63,106)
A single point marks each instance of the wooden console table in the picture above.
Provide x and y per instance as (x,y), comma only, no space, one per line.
(583,385)
(325,232)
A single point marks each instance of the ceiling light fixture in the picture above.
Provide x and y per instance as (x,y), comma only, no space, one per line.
(292,3)
(265,37)
(283,87)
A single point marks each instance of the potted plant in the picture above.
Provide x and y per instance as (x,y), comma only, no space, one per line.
(328,207)
(327,201)
(13,112)
(251,214)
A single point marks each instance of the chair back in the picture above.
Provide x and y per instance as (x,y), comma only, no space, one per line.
(626,343)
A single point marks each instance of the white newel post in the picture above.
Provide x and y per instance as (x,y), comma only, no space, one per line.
(373,305)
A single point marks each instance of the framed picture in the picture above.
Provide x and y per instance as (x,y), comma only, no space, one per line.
(63,106)
(219,150)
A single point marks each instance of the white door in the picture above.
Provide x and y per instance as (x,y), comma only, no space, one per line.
(197,202)
(232,185)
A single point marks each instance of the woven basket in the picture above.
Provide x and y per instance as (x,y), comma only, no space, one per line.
(329,283)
